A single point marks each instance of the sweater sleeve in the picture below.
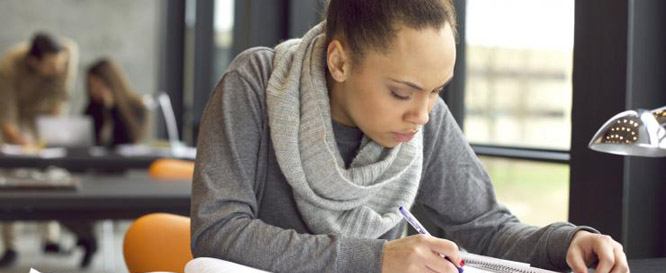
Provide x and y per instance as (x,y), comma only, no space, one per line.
(458,196)
(224,204)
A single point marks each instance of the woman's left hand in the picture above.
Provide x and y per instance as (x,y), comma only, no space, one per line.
(588,248)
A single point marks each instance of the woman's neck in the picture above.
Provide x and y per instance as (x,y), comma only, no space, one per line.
(336,102)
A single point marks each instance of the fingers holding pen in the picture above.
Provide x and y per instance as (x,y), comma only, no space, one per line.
(446,256)
(420,253)
(446,248)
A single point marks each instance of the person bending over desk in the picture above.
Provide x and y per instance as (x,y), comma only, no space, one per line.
(307,150)
(35,79)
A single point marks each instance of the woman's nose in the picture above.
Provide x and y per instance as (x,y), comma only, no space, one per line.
(420,114)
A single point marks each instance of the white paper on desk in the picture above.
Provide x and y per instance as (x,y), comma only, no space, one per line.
(212,265)
(18,150)
(32,270)
(130,150)
(53,153)
(469,269)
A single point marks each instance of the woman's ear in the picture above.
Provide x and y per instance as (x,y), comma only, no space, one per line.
(338,61)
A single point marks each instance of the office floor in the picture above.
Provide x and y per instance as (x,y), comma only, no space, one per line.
(108,258)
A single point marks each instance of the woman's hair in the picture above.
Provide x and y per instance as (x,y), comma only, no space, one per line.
(373,24)
(128,103)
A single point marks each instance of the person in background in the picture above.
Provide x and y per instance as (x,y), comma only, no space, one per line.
(119,117)
(118,112)
(35,79)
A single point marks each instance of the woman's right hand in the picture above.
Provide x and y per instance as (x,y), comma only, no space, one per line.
(419,253)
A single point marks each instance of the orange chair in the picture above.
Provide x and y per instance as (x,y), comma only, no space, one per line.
(158,242)
(171,169)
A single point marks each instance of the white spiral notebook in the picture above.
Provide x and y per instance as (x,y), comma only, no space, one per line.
(483,264)
(473,264)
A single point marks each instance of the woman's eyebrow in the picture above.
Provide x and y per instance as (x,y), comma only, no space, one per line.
(416,86)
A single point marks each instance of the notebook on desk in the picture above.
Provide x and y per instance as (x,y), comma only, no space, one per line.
(483,264)
(473,264)
(212,265)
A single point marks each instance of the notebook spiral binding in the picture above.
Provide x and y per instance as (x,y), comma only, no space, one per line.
(500,266)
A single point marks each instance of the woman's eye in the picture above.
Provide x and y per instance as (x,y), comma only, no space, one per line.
(397,95)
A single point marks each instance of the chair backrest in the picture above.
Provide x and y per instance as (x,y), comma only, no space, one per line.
(158,242)
(171,169)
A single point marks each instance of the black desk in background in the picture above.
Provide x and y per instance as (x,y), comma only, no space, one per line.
(99,197)
(84,159)
(79,163)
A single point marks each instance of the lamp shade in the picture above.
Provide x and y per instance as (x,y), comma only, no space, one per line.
(634,132)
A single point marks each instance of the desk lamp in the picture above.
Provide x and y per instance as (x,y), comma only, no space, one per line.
(635,132)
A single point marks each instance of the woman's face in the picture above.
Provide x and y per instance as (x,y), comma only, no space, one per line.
(389,95)
(97,88)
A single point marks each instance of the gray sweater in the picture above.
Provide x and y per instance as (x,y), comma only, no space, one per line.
(243,209)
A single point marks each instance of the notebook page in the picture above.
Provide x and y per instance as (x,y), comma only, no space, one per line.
(212,265)
(469,269)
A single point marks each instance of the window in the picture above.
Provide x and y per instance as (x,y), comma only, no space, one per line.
(519,63)
(518,67)
(529,188)
(223,36)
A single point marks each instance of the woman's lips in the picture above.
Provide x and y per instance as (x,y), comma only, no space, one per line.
(403,137)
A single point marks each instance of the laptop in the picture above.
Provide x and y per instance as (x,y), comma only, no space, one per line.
(69,132)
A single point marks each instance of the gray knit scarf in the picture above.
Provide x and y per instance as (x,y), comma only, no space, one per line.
(361,201)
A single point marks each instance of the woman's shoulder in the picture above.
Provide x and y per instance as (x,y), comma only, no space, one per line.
(437,116)
(242,87)
(254,65)
(440,124)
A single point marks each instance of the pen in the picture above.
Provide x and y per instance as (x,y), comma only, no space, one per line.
(420,229)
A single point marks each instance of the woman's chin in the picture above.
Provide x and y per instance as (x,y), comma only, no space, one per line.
(387,143)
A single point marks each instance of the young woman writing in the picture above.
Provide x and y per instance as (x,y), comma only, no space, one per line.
(307,150)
